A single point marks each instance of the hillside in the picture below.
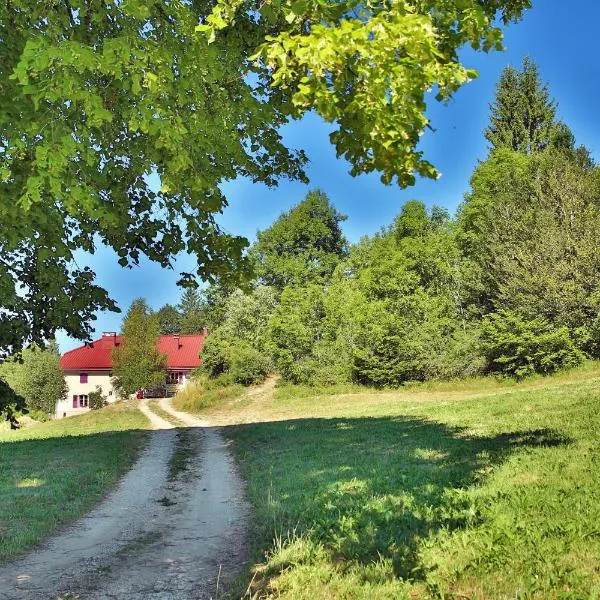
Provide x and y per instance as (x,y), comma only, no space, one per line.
(477,489)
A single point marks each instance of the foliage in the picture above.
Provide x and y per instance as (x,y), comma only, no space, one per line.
(191,309)
(11,405)
(523,115)
(298,339)
(36,376)
(519,347)
(367,66)
(530,225)
(238,345)
(169,320)
(96,399)
(137,362)
(397,302)
(94,98)
(302,246)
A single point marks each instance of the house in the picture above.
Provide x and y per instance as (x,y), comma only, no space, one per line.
(90,366)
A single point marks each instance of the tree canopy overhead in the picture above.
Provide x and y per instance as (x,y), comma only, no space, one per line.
(95,97)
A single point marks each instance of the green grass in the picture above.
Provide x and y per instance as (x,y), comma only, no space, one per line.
(201,394)
(476,489)
(154,406)
(53,472)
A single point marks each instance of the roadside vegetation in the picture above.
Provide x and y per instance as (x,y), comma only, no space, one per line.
(508,285)
(203,393)
(52,473)
(482,488)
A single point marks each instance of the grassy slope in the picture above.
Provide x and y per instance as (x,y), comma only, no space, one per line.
(475,489)
(51,473)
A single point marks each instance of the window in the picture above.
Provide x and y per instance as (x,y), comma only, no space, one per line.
(83,377)
(80,401)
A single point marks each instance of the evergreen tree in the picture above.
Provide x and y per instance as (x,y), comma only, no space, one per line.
(192,311)
(523,114)
(303,245)
(169,320)
(137,363)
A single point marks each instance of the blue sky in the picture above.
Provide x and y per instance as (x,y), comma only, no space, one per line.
(560,36)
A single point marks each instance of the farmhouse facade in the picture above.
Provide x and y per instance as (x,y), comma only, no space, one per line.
(90,367)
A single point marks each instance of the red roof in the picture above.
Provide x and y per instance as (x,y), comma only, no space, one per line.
(183,352)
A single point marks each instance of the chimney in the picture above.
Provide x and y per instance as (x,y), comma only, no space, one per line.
(205,331)
(110,334)
(177,342)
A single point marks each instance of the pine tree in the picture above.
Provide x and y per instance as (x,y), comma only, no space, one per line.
(192,310)
(523,114)
(169,319)
(137,363)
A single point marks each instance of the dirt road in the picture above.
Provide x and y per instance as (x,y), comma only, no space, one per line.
(174,528)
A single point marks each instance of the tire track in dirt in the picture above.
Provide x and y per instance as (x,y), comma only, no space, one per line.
(174,528)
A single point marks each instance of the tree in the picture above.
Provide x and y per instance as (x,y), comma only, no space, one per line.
(11,405)
(523,114)
(96,96)
(192,312)
(302,246)
(169,320)
(531,224)
(241,337)
(520,347)
(37,377)
(368,66)
(137,362)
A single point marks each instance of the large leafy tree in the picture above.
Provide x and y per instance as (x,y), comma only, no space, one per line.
(95,97)
(367,66)
(137,362)
(36,376)
(303,245)
(531,225)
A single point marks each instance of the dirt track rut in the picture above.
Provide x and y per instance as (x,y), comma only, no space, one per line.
(174,528)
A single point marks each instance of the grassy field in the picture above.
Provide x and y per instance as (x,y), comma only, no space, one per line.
(477,489)
(53,472)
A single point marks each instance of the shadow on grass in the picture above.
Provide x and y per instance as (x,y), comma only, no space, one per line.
(369,488)
(46,483)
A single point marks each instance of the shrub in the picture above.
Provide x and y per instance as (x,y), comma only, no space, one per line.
(237,360)
(518,347)
(327,365)
(246,364)
(96,399)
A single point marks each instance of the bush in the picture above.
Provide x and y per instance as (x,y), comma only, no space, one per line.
(246,364)
(328,364)
(96,399)
(518,347)
(237,360)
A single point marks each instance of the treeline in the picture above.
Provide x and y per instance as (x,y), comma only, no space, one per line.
(509,284)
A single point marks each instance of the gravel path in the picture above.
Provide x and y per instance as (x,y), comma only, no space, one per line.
(174,528)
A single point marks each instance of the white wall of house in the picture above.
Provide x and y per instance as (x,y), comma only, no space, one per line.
(65,408)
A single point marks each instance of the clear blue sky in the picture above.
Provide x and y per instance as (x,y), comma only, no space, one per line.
(560,36)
